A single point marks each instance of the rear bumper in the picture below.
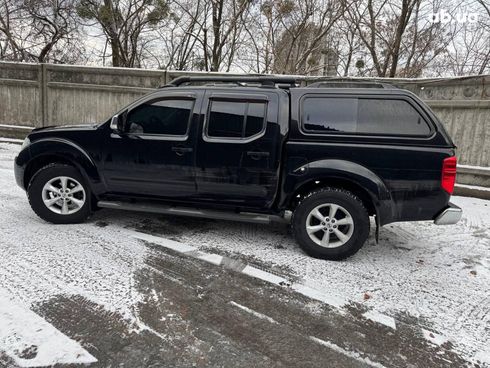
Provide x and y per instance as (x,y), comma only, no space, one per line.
(451,215)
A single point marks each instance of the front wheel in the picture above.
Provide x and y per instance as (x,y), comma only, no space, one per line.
(331,223)
(58,194)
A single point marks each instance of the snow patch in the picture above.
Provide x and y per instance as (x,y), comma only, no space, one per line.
(32,342)
(380,318)
(11,140)
(167,243)
(254,313)
(434,338)
(263,275)
(474,187)
(351,354)
(28,128)
(215,259)
(319,295)
(40,260)
(483,356)
(472,167)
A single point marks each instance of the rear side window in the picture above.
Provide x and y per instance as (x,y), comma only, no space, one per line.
(235,119)
(362,116)
(392,117)
(163,117)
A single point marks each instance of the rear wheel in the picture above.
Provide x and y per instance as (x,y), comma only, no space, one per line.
(58,194)
(331,224)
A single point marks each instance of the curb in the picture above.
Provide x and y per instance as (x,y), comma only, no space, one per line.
(472,191)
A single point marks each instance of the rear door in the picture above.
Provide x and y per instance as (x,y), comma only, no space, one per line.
(238,150)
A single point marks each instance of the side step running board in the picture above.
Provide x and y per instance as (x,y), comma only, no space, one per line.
(257,218)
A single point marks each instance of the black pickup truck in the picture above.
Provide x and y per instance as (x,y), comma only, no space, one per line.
(324,157)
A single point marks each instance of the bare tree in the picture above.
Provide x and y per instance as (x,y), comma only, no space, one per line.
(381,26)
(11,44)
(421,44)
(469,53)
(483,54)
(226,24)
(468,50)
(291,37)
(384,38)
(262,28)
(39,30)
(177,38)
(221,27)
(124,23)
(485,6)
(350,53)
(400,37)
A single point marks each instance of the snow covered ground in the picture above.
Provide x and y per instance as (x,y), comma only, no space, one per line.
(436,277)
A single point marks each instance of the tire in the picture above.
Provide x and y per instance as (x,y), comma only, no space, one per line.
(347,230)
(66,206)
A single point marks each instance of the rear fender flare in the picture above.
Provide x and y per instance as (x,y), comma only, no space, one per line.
(322,170)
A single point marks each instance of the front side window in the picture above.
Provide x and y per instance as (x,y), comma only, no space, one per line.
(235,119)
(162,117)
(362,116)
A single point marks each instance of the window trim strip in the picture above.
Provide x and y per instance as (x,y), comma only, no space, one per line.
(167,137)
(233,98)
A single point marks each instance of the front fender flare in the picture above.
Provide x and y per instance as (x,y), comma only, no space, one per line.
(71,152)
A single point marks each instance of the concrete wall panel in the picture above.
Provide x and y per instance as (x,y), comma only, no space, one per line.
(48,94)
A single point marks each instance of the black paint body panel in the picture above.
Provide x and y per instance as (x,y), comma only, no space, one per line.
(401,175)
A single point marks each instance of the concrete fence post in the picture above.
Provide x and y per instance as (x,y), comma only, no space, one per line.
(38,121)
(44,94)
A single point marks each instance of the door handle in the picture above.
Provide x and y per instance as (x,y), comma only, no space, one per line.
(179,150)
(256,155)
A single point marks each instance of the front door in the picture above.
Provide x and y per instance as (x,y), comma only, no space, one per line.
(238,150)
(154,155)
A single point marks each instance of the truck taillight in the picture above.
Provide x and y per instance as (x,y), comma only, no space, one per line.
(448,174)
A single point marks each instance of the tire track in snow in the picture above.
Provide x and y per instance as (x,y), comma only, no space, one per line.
(30,341)
(427,281)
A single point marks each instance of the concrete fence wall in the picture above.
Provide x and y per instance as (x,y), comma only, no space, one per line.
(463,105)
(36,95)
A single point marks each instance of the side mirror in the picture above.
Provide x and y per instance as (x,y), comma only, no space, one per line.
(115,123)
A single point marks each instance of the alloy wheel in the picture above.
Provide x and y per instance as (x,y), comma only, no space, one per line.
(329,225)
(63,195)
